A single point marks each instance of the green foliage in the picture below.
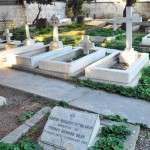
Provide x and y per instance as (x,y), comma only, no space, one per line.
(24,144)
(19,33)
(74,8)
(120,42)
(24,116)
(71,40)
(112,138)
(116,118)
(63,104)
(141,91)
(103,32)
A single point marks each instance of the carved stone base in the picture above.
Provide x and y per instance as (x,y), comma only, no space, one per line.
(128,57)
(55,45)
(10,46)
(29,42)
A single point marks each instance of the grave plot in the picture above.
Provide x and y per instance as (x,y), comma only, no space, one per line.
(71,63)
(31,58)
(109,70)
(120,68)
(8,43)
(68,128)
(9,56)
(145,44)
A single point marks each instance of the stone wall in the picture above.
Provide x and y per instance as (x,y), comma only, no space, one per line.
(16,13)
(101,9)
(111,9)
(47,11)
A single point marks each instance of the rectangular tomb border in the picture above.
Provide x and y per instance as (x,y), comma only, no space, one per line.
(104,70)
(10,55)
(70,129)
(73,62)
(31,59)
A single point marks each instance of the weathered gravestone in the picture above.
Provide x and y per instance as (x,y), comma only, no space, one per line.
(70,129)
(56,43)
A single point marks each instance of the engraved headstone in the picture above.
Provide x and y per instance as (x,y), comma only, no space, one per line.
(70,130)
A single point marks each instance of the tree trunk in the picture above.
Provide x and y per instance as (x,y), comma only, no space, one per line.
(37,17)
(123,26)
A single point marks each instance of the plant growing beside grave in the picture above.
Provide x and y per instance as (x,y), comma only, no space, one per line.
(24,144)
(120,42)
(112,138)
(103,32)
(24,116)
(141,91)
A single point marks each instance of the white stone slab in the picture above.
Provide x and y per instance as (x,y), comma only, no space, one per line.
(101,71)
(2,101)
(70,129)
(14,42)
(146,40)
(61,65)
(10,55)
(31,59)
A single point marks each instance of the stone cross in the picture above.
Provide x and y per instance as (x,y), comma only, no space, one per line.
(55,23)
(86,44)
(128,56)
(8,35)
(129,20)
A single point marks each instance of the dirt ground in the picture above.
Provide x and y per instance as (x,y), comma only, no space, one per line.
(19,102)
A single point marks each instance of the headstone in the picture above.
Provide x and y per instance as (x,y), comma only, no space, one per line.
(8,35)
(55,44)
(129,56)
(70,129)
(29,40)
(10,44)
(86,44)
(2,101)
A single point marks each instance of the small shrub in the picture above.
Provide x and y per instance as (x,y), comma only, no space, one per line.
(24,116)
(112,138)
(24,144)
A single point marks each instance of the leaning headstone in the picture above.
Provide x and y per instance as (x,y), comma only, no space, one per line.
(86,44)
(2,101)
(55,44)
(70,130)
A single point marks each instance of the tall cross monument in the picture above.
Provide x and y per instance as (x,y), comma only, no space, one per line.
(129,56)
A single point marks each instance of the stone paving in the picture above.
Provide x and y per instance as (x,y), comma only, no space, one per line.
(136,111)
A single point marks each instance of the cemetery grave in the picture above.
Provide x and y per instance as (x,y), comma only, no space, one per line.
(8,43)
(99,99)
(111,69)
(73,62)
(72,131)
